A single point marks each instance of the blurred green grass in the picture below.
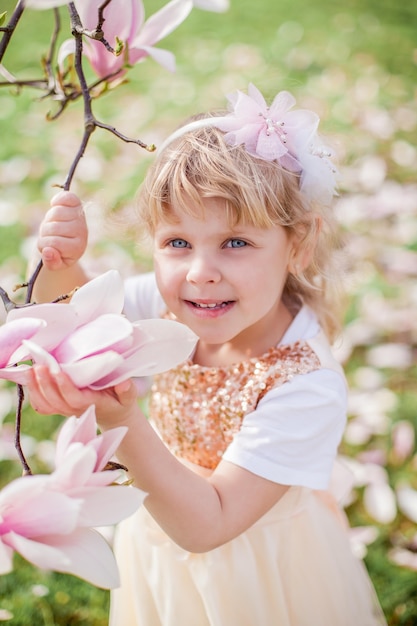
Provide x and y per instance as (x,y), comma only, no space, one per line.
(353,61)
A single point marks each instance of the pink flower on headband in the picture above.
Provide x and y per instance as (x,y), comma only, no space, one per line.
(277,133)
(274,133)
(268,132)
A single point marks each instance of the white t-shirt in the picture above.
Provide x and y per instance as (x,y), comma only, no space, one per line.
(293,435)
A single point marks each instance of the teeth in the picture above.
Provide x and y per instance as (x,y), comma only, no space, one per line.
(206,306)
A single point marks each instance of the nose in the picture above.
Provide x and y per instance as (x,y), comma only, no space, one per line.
(203,269)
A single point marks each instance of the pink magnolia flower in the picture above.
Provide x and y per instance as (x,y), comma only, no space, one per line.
(94,344)
(125,22)
(48,519)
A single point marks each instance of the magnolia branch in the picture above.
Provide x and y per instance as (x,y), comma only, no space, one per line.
(10,28)
(62,87)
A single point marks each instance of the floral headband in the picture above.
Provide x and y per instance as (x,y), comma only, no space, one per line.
(275,133)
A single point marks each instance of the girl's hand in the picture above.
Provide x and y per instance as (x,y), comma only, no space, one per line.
(56,394)
(63,233)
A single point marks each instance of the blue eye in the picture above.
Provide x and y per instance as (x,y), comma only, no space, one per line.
(236,243)
(178,243)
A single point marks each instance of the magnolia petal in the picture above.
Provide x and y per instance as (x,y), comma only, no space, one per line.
(123,24)
(102,333)
(103,294)
(165,58)
(18,375)
(167,343)
(106,445)
(12,333)
(83,553)
(87,371)
(108,505)
(66,49)
(102,61)
(162,23)
(60,321)
(104,478)
(75,468)
(118,23)
(37,552)
(82,430)
(89,557)
(41,356)
(30,506)
(6,558)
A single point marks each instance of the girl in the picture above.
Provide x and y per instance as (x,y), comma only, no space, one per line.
(238,528)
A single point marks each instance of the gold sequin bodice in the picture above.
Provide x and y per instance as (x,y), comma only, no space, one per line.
(197,410)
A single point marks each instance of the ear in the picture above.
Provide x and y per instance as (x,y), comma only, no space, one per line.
(304,247)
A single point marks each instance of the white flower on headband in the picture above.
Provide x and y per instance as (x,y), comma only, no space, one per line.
(275,133)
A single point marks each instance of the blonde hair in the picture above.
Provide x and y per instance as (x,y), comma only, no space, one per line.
(199,164)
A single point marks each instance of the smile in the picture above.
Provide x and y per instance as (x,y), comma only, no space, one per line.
(212,305)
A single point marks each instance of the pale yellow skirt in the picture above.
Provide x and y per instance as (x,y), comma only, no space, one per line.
(294,567)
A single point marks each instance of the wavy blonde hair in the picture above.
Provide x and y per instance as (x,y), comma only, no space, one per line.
(199,164)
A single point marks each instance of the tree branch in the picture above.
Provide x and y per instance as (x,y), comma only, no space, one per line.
(17,440)
(10,28)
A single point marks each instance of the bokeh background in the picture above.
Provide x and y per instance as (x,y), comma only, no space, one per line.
(355,63)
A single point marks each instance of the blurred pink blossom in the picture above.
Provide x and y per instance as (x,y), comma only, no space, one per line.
(380,503)
(92,342)
(403,557)
(48,519)
(403,439)
(407,502)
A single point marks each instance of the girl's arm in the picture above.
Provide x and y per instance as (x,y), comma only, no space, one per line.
(198,513)
(61,242)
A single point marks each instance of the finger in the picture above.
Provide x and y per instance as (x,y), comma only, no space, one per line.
(125,392)
(52,259)
(70,399)
(67,228)
(66,198)
(38,398)
(61,213)
(45,393)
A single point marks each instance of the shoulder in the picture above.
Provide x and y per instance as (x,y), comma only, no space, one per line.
(305,328)
(292,436)
(142,297)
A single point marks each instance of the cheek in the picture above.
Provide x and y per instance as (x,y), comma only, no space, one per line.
(166,276)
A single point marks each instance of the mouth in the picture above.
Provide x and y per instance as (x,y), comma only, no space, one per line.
(210,305)
(209,308)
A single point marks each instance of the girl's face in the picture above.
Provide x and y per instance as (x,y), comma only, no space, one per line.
(224,282)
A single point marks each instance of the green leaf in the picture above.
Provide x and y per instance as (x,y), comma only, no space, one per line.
(3,17)
(119,47)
